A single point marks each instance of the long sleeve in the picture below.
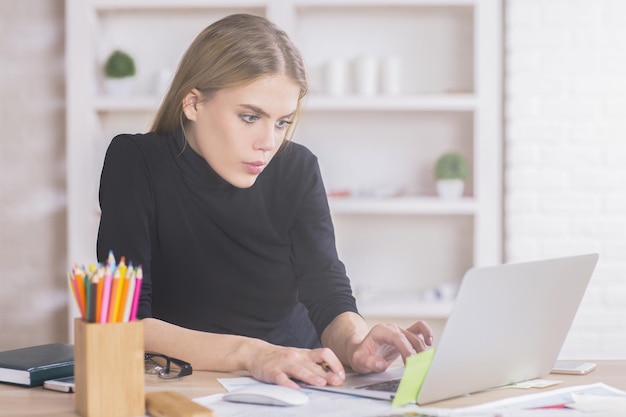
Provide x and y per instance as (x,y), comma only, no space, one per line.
(324,285)
(127,208)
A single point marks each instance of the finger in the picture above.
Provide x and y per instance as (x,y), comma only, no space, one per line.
(421,327)
(400,340)
(375,363)
(329,366)
(285,381)
(328,361)
(369,363)
(418,344)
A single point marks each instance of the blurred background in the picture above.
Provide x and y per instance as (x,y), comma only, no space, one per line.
(533,95)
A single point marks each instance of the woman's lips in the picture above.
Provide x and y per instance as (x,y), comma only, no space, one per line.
(254,168)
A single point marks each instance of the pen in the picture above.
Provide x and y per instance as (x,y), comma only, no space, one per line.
(325,366)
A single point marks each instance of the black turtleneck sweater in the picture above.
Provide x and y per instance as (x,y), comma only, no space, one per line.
(218,258)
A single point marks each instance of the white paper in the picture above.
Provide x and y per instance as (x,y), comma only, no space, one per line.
(567,395)
(320,403)
(328,404)
(588,402)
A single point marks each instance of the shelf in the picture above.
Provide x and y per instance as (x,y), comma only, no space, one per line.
(402,205)
(426,102)
(105,5)
(182,4)
(450,99)
(389,3)
(438,102)
(105,104)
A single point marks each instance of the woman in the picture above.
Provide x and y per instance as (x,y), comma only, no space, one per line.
(230,222)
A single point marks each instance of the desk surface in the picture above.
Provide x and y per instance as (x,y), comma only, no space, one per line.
(16,400)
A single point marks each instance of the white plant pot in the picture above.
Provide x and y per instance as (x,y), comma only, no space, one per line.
(119,87)
(450,189)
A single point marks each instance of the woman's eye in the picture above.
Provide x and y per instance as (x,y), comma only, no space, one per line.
(282,124)
(249,118)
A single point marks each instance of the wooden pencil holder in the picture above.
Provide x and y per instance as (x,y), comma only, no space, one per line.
(109,369)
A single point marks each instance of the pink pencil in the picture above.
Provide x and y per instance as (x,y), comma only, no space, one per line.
(135,305)
(106,294)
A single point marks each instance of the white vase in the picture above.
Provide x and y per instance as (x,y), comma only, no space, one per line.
(119,87)
(450,189)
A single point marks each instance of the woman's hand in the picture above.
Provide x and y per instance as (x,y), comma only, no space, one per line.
(386,342)
(282,365)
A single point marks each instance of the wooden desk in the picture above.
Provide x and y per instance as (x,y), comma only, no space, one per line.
(20,401)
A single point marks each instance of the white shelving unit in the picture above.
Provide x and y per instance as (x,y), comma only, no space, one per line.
(396,245)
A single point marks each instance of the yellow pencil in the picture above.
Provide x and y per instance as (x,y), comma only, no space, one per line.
(123,293)
(127,300)
(74,287)
(80,286)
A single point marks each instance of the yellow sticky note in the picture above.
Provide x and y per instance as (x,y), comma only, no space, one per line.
(413,377)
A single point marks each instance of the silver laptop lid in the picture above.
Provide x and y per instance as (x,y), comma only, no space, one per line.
(508,324)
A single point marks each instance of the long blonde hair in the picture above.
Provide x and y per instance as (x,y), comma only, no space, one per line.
(233,51)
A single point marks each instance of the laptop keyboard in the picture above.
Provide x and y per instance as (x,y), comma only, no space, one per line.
(385,386)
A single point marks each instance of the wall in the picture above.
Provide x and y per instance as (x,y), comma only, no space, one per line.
(32,166)
(566,152)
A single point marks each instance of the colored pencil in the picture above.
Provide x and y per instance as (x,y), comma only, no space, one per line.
(80,285)
(130,293)
(114,301)
(121,289)
(138,282)
(111,260)
(100,290)
(92,293)
(106,293)
(74,288)
(123,294)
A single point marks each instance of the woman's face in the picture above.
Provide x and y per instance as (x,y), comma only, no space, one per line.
(238,130)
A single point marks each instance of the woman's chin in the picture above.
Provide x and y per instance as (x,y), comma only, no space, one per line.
(245,181)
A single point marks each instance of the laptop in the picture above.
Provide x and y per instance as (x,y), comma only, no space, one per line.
(507,325)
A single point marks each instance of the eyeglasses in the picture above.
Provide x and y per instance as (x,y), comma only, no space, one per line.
(166,367)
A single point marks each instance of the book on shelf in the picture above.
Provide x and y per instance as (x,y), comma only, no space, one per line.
(32,365)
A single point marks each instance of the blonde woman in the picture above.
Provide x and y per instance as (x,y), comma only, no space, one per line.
(230,222)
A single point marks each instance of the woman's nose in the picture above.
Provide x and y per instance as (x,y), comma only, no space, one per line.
(266,140)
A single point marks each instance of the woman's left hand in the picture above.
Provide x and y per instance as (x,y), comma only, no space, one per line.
(386,342)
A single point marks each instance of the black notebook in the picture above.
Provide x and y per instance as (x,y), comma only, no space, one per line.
(33,365)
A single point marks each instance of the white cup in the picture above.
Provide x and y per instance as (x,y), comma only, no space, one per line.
(336,77)
(390,75)
(366,75)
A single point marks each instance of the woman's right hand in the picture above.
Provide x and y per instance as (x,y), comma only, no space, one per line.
(283,365)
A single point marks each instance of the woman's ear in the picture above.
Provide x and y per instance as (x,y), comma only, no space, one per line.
(190,104)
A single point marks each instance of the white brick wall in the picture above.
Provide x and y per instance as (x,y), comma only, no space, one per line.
(565,152)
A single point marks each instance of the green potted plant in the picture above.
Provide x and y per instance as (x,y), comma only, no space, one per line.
(119,72)
(451,170)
